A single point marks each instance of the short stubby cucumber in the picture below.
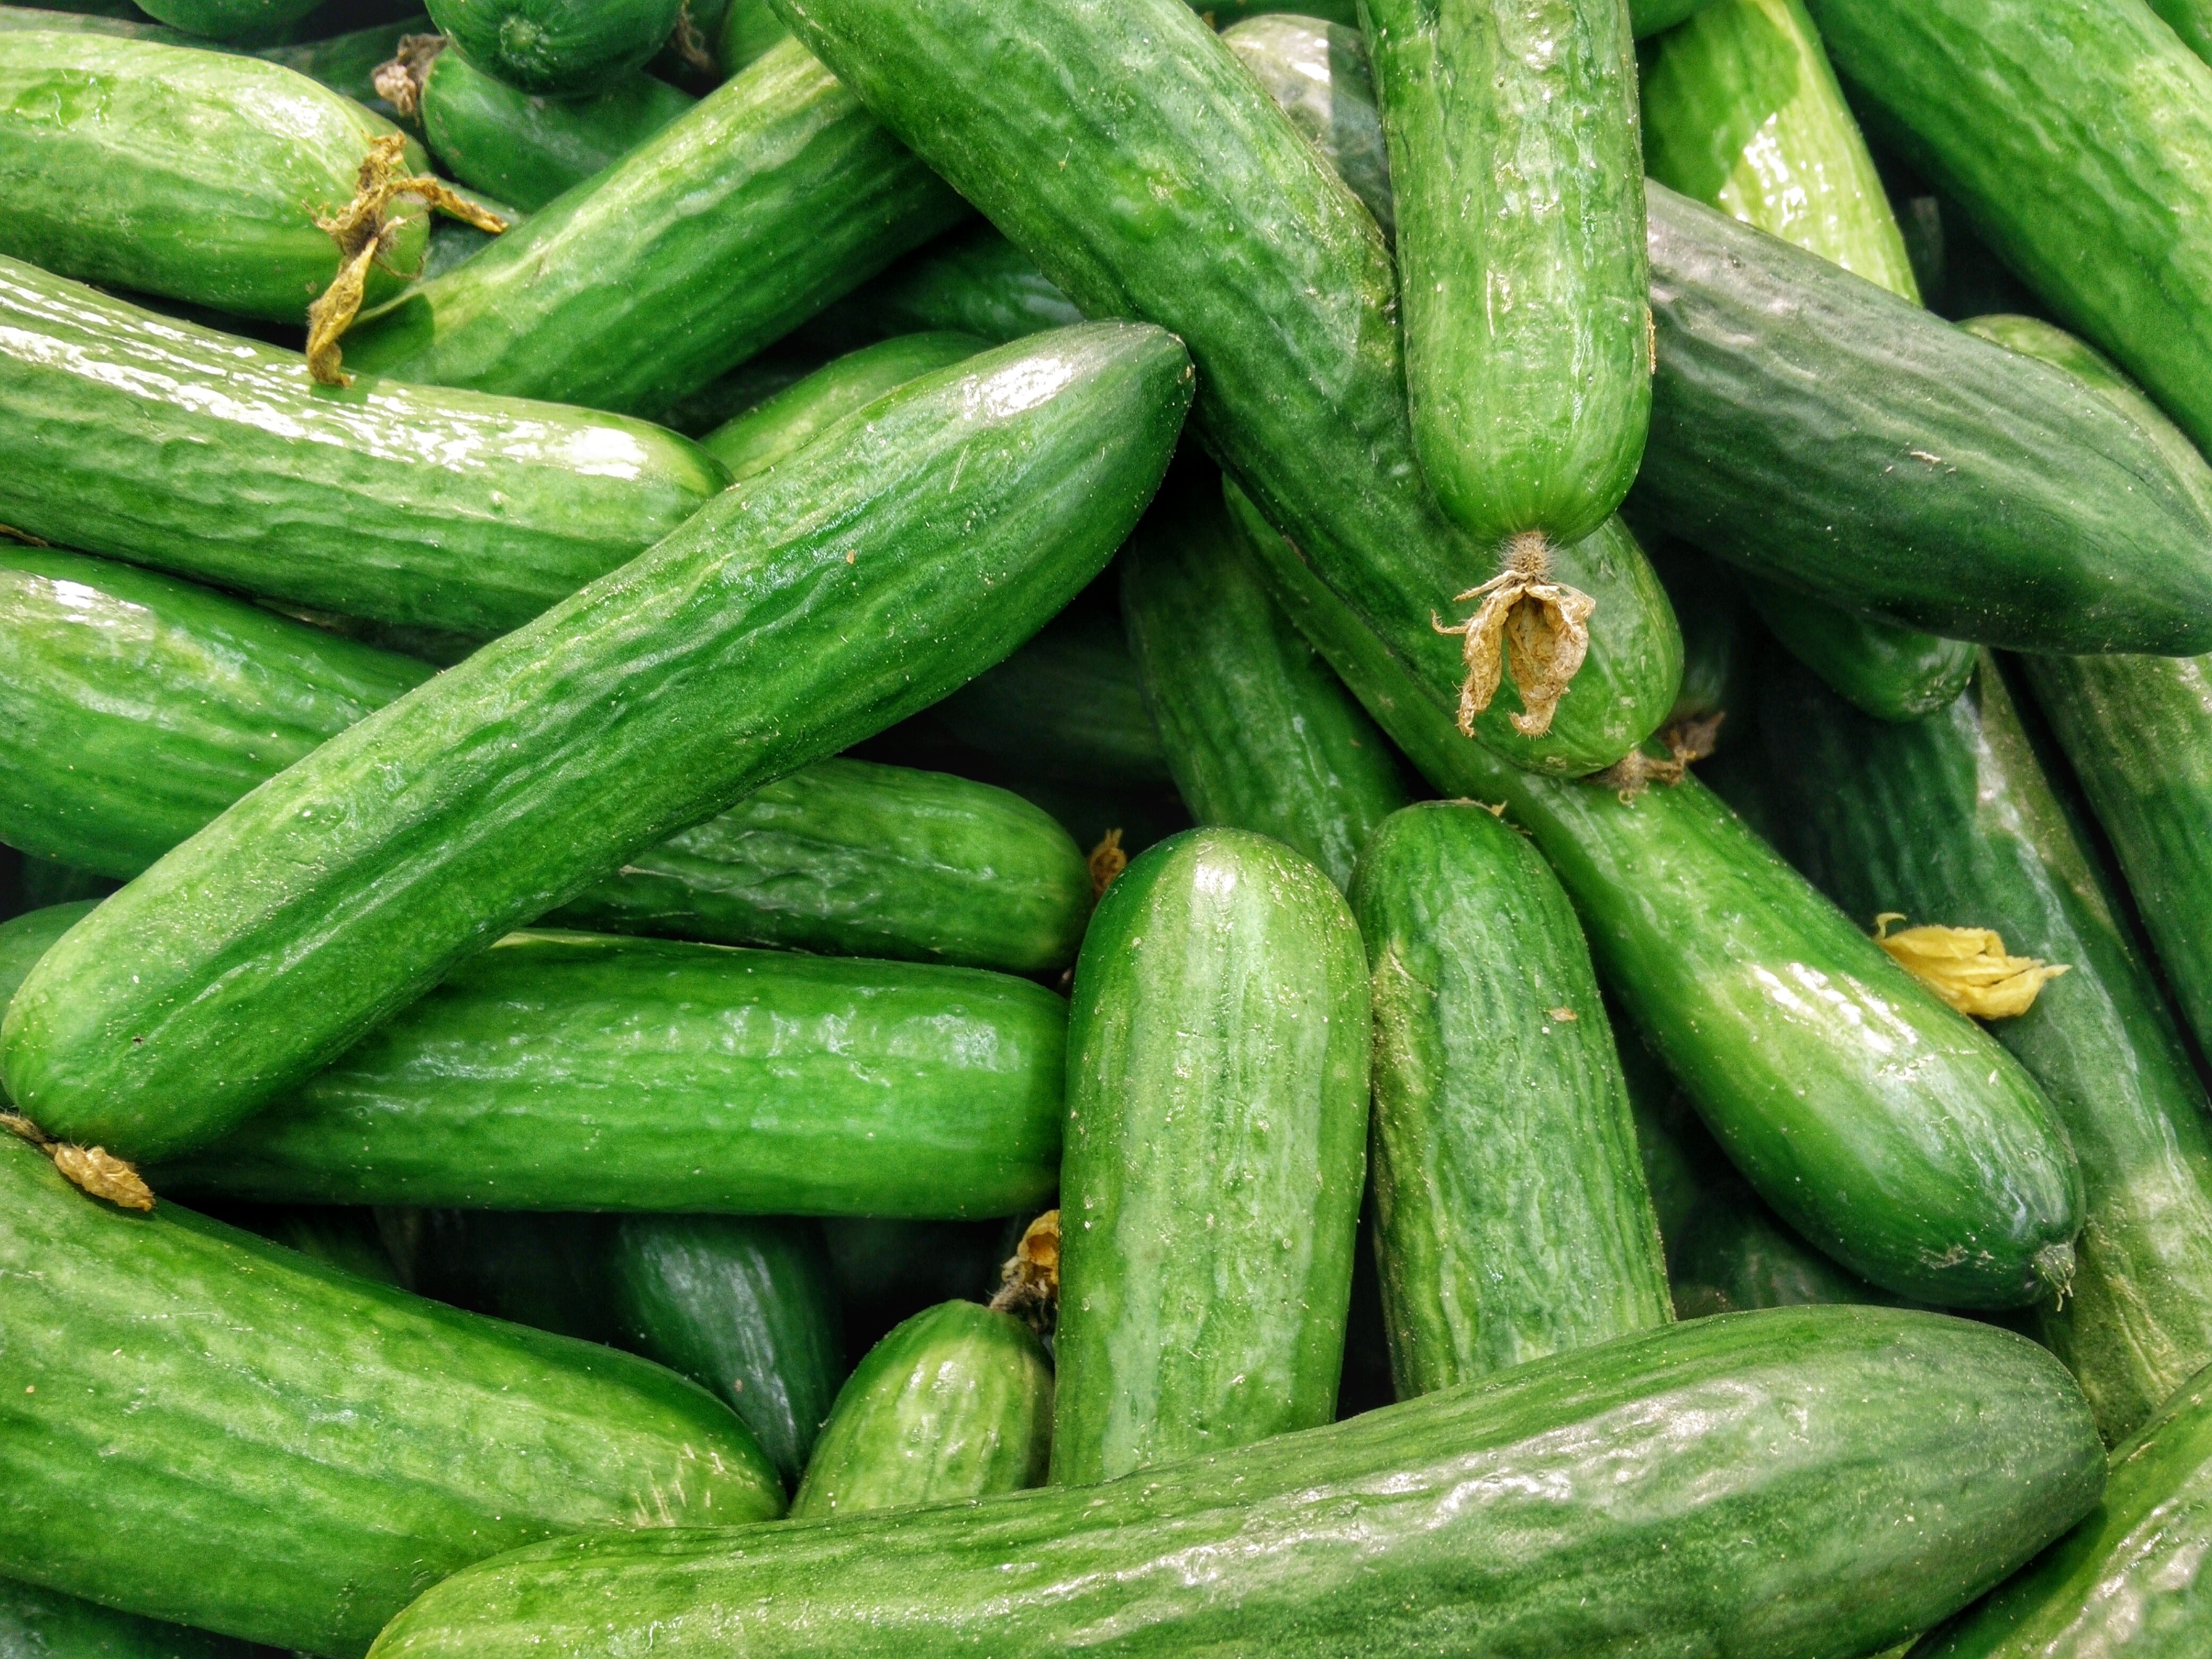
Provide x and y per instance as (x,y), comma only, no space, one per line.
(786,423)
(1217,1124)
(559,48)
(1318,72)
(39,1623)
(794,616)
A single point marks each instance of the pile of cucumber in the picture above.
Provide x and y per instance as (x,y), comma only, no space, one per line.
(1097,825)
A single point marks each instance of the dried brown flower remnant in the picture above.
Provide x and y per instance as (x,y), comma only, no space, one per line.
(1107,860)
(92,1169)
(1537,627)
(399,83)
(1686,742)
(1030,1279)
(1967,967)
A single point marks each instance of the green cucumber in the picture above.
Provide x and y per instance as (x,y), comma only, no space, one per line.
(557,48)
(126,434)
(1732,1255)
(771,196)
(748,29)
(1890,672)
(970,281)
(44,881)
(1067,706)
(746,1308)
(1680,1162)
(1811,426)
(954,1404)
(1649,17)
(2191,19)
(194,175)
(39,1623)
(1224,14)
(347,63)
(371,1443)
(1123,146)
(1259,732)
(336,1237)
(787,422)
(527,149)
(134,25)
(24,939)
(1696,1489)
(1216,1123)
(1719,635)
(1511,1216)
(1318,73)
(548,1271)
(1891,1131)
(2078,138)
(793,615)
(231,20)
(1513,139)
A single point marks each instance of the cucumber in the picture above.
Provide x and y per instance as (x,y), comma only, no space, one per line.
(1511,1216)
(1719,635)
(38,1624)
(1891,1131)
(1067,706)
(1259,732)
(1649,17)
(134,25)
(1732,1255)
(970,281)
(796,614)
(771,196)
(1514,157)
(194,175)
(1808,426)
(231,20)
(956,1403)
(2191,19)
(787,422)
(371,1442)
(526,148)
(549,1271)
(347,63)
(336,1237)
(1318,73)
(126,434)
(557,48)
(2077,138)
(1689,1489)
(1890,672)
(44,882)
(748,29)
(1216,1123)
(1336,13)
(746,1308)
(24,939)
(1173,152)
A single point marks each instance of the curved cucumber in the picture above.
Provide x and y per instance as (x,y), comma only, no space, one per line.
(39,1623)
(558,48)
(1890,672)
(1217,1124)
(1067,706)
(771,196)
(1511,1217)
(372,1442)
(956,1403)
(1318,73)
(787,422)
(814,605)
(1891,1131)
(1260,734)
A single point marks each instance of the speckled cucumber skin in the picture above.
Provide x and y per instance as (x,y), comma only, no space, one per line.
(558,48)
(756,440)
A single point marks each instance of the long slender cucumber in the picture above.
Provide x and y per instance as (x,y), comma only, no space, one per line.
(787,422)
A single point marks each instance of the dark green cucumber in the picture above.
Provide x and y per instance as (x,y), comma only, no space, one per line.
(1891,672)
(787,422)
(336,1237)
(2127,1582)
(970,281)
(44,882)
(347,63)
(1511,1216)
(1680,1162)
(1318,73)
(549,1271)
(2078,137)
(1514,158)
(1810,426)
(1337,13)
(2190,19)
(746,1308)
(231,20)
(1173,152)
(371,1442)
(1688,1489)
(1719,635)
(1891,1131)
(135,26)
(773,196)
(1732,1255)
(1258,731)
(1648,17)
(1069,705)
(1217,1124)
(127,434)
(527,149)
(956,1403)
(795,615)
(749,29)
(557,48)
(40,1624)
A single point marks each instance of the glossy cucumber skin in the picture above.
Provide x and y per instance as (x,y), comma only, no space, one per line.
(746,1308)
(1639,1497)
(1217,1069)
(1807,425)
(355,1465)
(1888,1130)
(126,434)
(581,1071)
(970,281)
(792,617)
(1175,152)
(527,149)
(1890,672)
(2077,135)
(2190,19)
(954,1404)
(230,20)
(1511,1216)
(559,48)
(109,172)
(1067,706)
(771,196)
(1515,159)
(1319,74)
(41,1624)
(786,423)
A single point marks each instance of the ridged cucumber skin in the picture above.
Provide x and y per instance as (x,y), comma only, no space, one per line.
(1890,672)
(1319,75)
(2077,136)
(1732,1255)
(1216,1148)
(527,149)
(1067,706)
(1302,390)
(1511,1217)
(1260,732)
(774,195)
(1809,426)
(795,615)
(128,434)
(746,1308)
(2190,19)
(2129,1582)
(1641,1496)
(557,48)
(41,1624)
(580,1072)
(954,1404)
(786,423)
(1951,820)
(230,20)
(370,1441)
(1891,1131)
(1515,161)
